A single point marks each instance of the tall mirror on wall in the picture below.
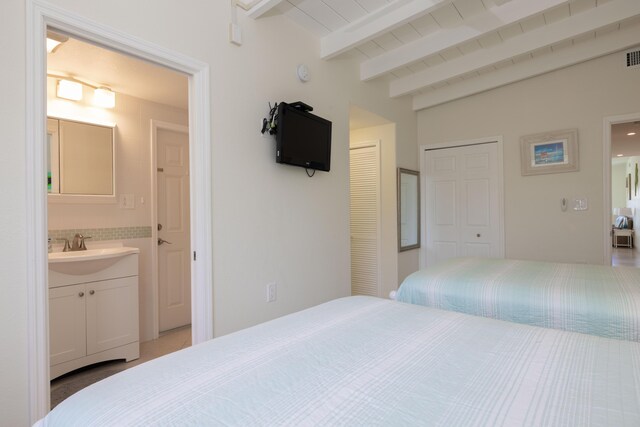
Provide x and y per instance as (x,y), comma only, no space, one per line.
(408,209)
(80,159)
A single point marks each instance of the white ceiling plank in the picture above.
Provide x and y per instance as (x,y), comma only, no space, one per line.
(578,53)
(425,25)
(387,41)
(469,8)
(577,6)
(533,23)
(322,13)
(375,24)
(263,7)
(372,5)
(509,31)
(489,21)
(349,10)
(306,21)
(406,33)
(490,40)
(557,14)
(574,26)
(447,16)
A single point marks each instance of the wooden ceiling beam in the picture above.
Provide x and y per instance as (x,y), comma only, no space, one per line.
(492,20)
(547,35)
(611,42)
(374,24)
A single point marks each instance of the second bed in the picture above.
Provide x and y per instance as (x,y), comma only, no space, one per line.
(591,299)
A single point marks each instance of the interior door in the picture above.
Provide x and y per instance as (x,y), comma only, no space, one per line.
(174,246)
(462,202)
(365,218)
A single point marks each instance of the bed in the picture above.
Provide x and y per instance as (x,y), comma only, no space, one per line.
(592,299)
(369,361)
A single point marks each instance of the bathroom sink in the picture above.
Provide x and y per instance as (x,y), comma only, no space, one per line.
(89,261)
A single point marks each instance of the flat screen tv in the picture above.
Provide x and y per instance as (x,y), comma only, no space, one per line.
(302,139)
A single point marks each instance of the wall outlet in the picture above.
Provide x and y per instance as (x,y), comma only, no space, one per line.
(272,291)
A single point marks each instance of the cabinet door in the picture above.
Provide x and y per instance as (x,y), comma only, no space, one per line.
(112,313)
(67,327)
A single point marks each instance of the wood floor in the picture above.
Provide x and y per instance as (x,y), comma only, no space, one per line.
(68,384)
(629,257)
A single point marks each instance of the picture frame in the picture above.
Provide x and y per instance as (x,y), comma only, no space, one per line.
(408,193)
(549,152)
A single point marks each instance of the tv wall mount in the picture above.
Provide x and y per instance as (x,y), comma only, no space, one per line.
(270,124)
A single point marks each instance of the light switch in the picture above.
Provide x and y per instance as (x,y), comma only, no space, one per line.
(580,204)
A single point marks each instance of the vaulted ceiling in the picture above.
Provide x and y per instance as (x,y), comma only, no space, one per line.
(439,50)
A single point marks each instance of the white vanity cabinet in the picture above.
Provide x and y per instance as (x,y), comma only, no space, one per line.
(95,320)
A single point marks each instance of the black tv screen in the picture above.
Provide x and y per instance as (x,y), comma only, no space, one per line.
(303,139)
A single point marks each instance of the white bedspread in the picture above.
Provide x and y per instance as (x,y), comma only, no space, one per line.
(367,361)
(590,299)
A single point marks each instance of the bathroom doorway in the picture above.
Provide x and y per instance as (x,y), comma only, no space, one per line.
(125,213)
(40,16)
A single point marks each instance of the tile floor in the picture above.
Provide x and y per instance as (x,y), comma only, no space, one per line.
(629,257)
(168,342)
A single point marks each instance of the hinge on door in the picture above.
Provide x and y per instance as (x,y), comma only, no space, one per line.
(194,255)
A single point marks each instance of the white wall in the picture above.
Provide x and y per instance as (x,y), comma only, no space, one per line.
(386,134)
(619,193)
(270,221)
(132,117)
(575,97)
(14,266)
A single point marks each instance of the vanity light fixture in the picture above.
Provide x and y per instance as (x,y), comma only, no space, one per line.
(631,133)
(68,89)
(104,97)
(71,88)
(619,155)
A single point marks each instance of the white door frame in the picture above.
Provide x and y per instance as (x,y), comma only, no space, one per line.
(423,185)
(606,177)
(41,14)
(155,126)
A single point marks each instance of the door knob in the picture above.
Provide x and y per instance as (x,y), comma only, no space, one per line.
(91,292)
(161,241)
(81,294)
(478,235)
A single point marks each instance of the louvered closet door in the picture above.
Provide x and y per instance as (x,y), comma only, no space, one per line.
(365,218)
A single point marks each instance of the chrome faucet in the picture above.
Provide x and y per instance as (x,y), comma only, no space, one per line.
(78,243)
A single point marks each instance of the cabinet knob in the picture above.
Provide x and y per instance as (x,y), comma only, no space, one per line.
(81,294)
(91,292)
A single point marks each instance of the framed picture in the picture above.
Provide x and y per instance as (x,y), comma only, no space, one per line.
(549,152)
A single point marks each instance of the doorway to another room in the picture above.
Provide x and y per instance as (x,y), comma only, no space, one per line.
(126,129)
(625,193)
(373,226)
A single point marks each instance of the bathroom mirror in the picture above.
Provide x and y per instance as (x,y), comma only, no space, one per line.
(80,158)
(408,209)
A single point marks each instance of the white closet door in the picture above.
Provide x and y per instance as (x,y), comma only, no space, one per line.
(462,203)
(365,218)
